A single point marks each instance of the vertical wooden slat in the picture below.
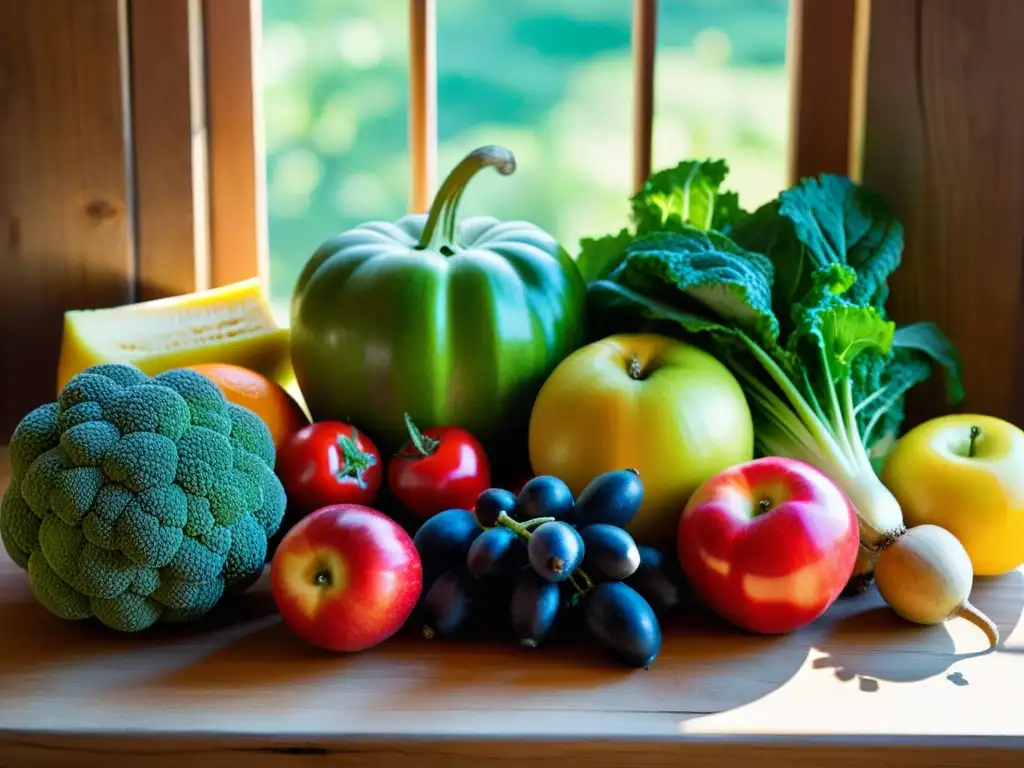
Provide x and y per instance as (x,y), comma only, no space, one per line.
(859,87)
(65,234)
(821,59)
(169,139)
(422,101)
(237,180)
(943,142)
(645,22)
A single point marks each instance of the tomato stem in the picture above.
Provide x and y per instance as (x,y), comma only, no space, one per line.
(354,461)
(446,202)
(424,444)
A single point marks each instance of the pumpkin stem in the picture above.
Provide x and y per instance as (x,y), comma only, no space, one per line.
(446,202)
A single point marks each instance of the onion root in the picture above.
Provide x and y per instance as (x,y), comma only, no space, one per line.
(978,619)
(925,576)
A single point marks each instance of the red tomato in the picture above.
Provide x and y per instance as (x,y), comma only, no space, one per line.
(438,469)
(329,462)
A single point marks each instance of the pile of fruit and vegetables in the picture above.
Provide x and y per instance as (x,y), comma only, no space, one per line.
(467,427)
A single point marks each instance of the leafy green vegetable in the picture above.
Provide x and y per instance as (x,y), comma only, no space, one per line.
(688,195)
(599,256)
(792,299)
(927,339)
(826,221)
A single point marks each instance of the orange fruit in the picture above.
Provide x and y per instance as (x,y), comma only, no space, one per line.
(261,395)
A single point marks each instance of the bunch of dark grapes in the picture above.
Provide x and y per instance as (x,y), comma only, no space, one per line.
(550,561)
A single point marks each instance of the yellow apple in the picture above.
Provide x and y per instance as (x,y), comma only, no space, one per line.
(648,402)
(965,473)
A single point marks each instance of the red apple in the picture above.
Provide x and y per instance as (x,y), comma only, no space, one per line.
(346,577)
(768,544)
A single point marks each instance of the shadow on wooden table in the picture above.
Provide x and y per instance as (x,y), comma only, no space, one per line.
(869,648)
(704,667)
(243,652)
(263,652)
(31,637)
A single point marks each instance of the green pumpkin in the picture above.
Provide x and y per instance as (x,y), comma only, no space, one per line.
(456,324)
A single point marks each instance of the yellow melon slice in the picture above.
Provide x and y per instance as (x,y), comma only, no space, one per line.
(230,324)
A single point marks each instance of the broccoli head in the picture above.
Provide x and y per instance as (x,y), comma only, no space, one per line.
(138,500)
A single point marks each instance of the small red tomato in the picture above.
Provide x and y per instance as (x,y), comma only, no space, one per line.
(329,462)
(438,469)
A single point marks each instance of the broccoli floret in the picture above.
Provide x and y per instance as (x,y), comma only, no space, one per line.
(137,500)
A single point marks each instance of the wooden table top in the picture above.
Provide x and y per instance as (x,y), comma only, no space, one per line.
(858,684)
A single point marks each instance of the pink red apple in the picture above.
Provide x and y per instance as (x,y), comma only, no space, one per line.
(768,544)
(346,577)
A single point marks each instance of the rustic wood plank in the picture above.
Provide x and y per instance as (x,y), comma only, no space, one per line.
(65,232)
(169,140)
(943,142)
(857,687)
(821,58)
(163,752)
(237,185)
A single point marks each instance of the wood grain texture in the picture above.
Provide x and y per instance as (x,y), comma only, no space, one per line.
(943,141)
(422,103)
(644,45)
(821,56)
(237,185)
(169,147)
(65,234)
(160,752)
(857,686)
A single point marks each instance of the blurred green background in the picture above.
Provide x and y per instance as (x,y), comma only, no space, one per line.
(549,79)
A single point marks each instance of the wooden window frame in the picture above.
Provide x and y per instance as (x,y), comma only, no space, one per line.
(201,192)
(226,140)
(131,165)
(137,169)
(132,158)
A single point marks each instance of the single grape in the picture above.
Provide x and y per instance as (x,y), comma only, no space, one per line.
(494,551)
(611,553)
(659,580)
(556,550)
(491,503)
(534,608)
(623,623)
(448,604)
(544,496)
(612,497)
(443,541)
